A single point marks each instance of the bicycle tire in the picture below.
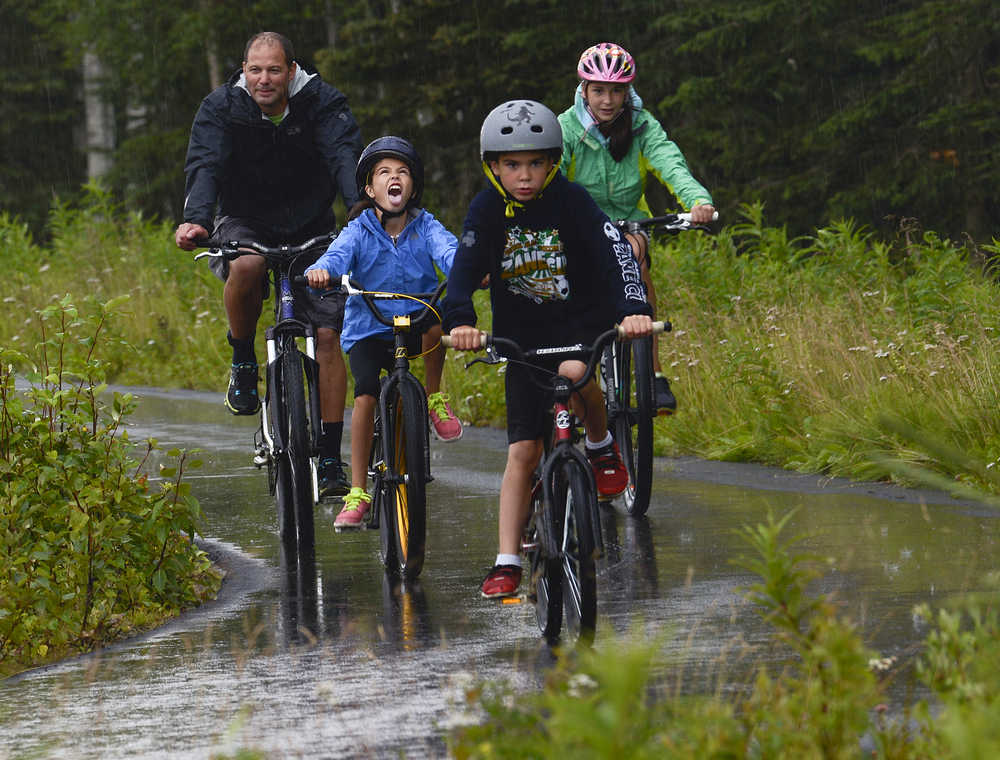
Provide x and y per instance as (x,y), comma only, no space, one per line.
(545,574)
(284,500)
(380,502)
(575,507)
(278,468)
(632,423)
(297,443)
(407,494)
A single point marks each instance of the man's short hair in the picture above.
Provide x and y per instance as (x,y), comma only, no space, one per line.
(271,38)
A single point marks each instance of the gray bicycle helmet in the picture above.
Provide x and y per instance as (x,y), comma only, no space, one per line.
(520,125)
(391,146)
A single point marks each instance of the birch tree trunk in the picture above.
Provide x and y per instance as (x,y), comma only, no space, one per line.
(99,118)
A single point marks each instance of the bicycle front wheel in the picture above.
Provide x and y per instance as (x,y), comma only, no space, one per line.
(575,507)
(631,415)
(545,569)
(406,505)
(297,451)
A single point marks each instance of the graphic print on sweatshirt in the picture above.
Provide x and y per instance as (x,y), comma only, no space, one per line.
(534,265)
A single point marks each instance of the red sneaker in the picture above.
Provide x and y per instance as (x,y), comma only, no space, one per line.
(502,580)
(609,471)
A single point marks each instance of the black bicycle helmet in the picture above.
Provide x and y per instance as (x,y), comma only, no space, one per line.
(391,146)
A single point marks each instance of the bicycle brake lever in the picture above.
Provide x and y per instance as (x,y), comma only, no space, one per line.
(492,357)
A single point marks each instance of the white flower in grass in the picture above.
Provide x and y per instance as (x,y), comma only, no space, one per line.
(44,268)
(933,372)
(580,685)
(883,379)
(858,348)
(881,354)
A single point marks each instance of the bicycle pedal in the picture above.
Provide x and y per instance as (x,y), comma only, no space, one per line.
(259,460)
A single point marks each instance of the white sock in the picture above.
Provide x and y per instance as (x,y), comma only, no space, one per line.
(606,442)
(509,559)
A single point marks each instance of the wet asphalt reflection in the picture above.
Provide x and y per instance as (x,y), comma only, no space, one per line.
(340,661)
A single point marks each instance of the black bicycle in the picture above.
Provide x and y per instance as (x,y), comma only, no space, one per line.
(627,371)
(290,419)
(399,464)
(562,539)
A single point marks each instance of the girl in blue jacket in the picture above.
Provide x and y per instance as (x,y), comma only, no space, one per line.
(389,244)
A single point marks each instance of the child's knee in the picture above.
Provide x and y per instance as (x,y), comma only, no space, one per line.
(524,455)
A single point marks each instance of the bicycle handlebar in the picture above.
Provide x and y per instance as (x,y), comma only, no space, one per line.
(233,249)
(517,354)
(667,222)
(486,338)
(352,287)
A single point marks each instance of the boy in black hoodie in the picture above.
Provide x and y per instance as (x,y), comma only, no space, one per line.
(560,273)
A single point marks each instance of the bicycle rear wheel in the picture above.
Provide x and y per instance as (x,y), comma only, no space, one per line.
(406,500)
(629,390)
(297,450)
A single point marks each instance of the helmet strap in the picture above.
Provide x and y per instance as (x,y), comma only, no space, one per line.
(509,202)
(386,213)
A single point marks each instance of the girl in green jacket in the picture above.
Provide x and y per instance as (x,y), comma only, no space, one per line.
(610,143)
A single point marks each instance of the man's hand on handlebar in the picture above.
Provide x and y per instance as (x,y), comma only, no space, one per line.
(466,338)
(637,326)
(188,234)
(319,279)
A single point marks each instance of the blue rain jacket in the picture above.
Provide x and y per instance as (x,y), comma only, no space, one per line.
(364,250)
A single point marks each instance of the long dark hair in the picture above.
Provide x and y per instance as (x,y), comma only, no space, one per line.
(618,130)
(359,208)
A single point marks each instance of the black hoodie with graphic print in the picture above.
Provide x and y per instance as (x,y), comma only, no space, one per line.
(560,271)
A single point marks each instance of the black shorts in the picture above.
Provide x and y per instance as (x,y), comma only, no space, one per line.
(321,312)
(369,356)
(529,408)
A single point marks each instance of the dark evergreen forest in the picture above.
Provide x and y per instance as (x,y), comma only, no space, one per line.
(877,110)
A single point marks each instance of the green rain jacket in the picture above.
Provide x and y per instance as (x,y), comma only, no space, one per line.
(618,186)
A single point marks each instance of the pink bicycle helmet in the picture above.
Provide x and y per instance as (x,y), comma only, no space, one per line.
(606,62)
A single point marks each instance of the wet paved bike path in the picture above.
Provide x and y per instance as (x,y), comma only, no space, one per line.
(381,671)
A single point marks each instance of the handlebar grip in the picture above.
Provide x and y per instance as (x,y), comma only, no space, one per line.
(446,340)
(686,216)
(658,327)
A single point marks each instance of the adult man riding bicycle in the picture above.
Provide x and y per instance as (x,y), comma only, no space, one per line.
(268,152)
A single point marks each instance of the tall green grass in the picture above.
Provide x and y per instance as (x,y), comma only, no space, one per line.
(793,352)
(175,331)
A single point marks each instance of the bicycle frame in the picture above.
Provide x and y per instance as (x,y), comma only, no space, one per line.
(285,324)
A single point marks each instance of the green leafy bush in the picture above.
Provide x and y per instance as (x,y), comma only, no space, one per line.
(89,549)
